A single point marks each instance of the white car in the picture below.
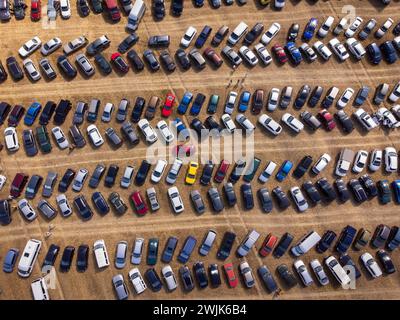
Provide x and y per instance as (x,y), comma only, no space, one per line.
(270,33)
(65,9)
(321,163)
(270,124)
(95,135)
(165,132)
(247,243)
(324,29)
(107,112)
(11,139)
(365,119)
(63,204)
(245,123)
(60,138)
(126,178)
(247,275)
(147,131)
(384,28)
(248,55)
(319,272)
(84,64)
(101,254)
(371,265)
(338,49)
(169,278)
(292,122)
(137,280)
(299,199)
(273,99)
(391,159)
(152,196)
(387,118)
(3,180)
(267,173)
(344,98)
(355,48)
(352,29)
(323,50)
(230,102)
(188,37)
(29,47)
(51,46)
(395,94)
(228,122)
(31,70)
(158,171)
(375,160)
(279,4)
(174,171)
(263,54)
(360,161)
(75,44)
(26,210)
(176,200)
(137,251)
(303,273)
(308,52)
(79,180)
(340,26)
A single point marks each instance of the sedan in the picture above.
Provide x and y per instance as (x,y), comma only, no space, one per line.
(51,46)
(95,135)
(60,137)
(248,55)
(31,70)
(119,62)
(29,47)
(85,65)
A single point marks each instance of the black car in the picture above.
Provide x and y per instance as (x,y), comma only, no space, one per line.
(83,8)
(96,176)
(342,191)
(187,279)
(128,43)
(3,73)
(267,279)
(29,143)
(14,69)
(151,60)
(142,173)
(254,33)
(66,180)
(119,62)
(281,197)
(158,8)
(396,29)
(102,63)
(111,175)
(301,97)
(374,53)
(117,203)
(113,137)
(82,207)
(138,109)
(265,200)
(47,113)
(312,192)
(287,276)
(384,193)
(345,122)
(61,112)
(5,214)
(207,173)
(327,189)
(159,41)
(302,167)
(212,124)
(130,133)
(135,60)
(315,96)
(247,196)
(214,274)
(167,61)
(5,109)
(66,67)
(153,279)
(293,32)
(226,245)
(51,256)
(283,245)
(326,241)
(389,52)
(33,186)
(200,274)
(197,104)
(177,7)
(358,191)
(77,136)
(183,59)
(15,115)
(380,236)
(386,261)
(66,259)
(346,261)
(100,203)
(369,185)
(82,258)
(237,171)
(230,194)
(199,127)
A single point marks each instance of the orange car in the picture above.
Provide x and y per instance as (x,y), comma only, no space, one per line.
(230,275)
(268,245)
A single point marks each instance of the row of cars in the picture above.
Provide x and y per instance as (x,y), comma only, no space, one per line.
(386,239)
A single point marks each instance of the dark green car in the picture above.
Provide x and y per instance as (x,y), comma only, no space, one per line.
(152,252)
(43,139)
(97,6)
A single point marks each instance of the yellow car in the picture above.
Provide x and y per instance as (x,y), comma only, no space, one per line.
(191,173)
(264,2)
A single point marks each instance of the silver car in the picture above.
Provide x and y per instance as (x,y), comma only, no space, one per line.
(120,254)
(46,209)
(49,184)
(79,180)
(152,195)
(47,68)
(197,201)
(247,275)
(137,251)
(85,65)
(63,205)
(303,273)
(26,210)
(120,288)
(319,272)
(31,70)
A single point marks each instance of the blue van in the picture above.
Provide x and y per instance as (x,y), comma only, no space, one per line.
(284,170)
(187,249)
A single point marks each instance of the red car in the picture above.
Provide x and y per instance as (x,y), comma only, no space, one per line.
(280,53)
(268,245)
(36,10)
(230,275)
(168,104)
(182,150)
(119,62)
(138,202)
(18,184)
(221,172)
(327,119)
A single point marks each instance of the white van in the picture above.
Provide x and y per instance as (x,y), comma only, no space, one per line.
(39,289)
(306,243)
(237,33)
(136,15)
(100,253)
(28,257)
(337,270)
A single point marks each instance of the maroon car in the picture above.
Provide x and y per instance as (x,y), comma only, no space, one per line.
(18,184)
(138,202)
(221,172)
(327,119)
(280,53)
(214,57)
(15,115)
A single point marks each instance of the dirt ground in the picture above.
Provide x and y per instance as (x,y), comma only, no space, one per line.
(96,284)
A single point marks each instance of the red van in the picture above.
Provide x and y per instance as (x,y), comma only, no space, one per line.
(112,8)
(18,184)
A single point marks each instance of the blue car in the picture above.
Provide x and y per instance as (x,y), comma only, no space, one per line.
(374,53)
(181,129)
(197,104)
(396,189)
(169,250)
(32,113)
(244,101)
(187,249)
(10,260)
(346,239)
(294,52)
(184,103)
(202,38)
(389,52)
(284,170)
(310,29)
